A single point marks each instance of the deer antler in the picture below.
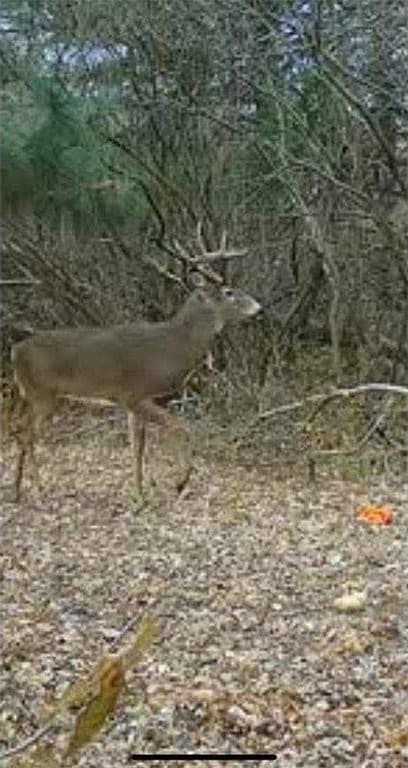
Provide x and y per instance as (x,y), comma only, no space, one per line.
(222,252)
(200,261)
(195,263)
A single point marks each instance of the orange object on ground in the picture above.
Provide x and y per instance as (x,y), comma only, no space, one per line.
(375,515)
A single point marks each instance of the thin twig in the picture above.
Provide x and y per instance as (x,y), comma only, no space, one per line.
(28,742)
(362,441)
(325,397)
(128,627)
(359,106)
(20,281)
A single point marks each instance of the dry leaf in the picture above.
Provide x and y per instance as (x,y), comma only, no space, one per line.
(352,601)
(385,629)
(242,719)
(41,757)
(354,644)
(205,695)
(92,718)
(375,515)
(396,738)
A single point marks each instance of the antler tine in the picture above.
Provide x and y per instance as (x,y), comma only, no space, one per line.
(181,251)
(200,237)
(210,274)
(222,252)
(195,262)
(223,242)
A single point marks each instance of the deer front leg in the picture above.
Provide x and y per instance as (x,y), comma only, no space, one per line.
(173,425)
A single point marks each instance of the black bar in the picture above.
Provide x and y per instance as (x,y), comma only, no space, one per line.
(222,756)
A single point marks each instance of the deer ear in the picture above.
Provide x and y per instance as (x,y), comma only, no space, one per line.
(197,280)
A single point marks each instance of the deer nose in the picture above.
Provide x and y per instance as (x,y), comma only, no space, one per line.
(256,307)
(260,312)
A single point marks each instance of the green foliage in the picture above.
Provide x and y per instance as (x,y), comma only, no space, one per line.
(56,162)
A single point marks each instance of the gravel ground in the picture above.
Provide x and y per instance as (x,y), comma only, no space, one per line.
(241,575)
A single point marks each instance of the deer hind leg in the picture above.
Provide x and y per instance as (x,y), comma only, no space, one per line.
(7,407)
(24,438)
(34,414)
(137,438)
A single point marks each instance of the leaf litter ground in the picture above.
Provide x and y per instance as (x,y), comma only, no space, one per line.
(241,573)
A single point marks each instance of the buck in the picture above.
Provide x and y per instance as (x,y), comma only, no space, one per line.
(128,365)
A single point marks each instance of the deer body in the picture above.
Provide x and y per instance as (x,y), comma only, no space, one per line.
(129,365)
(134,361)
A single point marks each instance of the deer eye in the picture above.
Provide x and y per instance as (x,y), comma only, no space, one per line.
(228,292)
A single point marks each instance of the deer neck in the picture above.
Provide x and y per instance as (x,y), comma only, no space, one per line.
(197,331)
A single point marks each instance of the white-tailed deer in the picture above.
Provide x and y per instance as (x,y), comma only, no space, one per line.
(129,365)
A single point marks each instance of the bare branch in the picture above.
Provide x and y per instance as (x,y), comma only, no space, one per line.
(363,440)
(360,389)
(20,282)
(358,105)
